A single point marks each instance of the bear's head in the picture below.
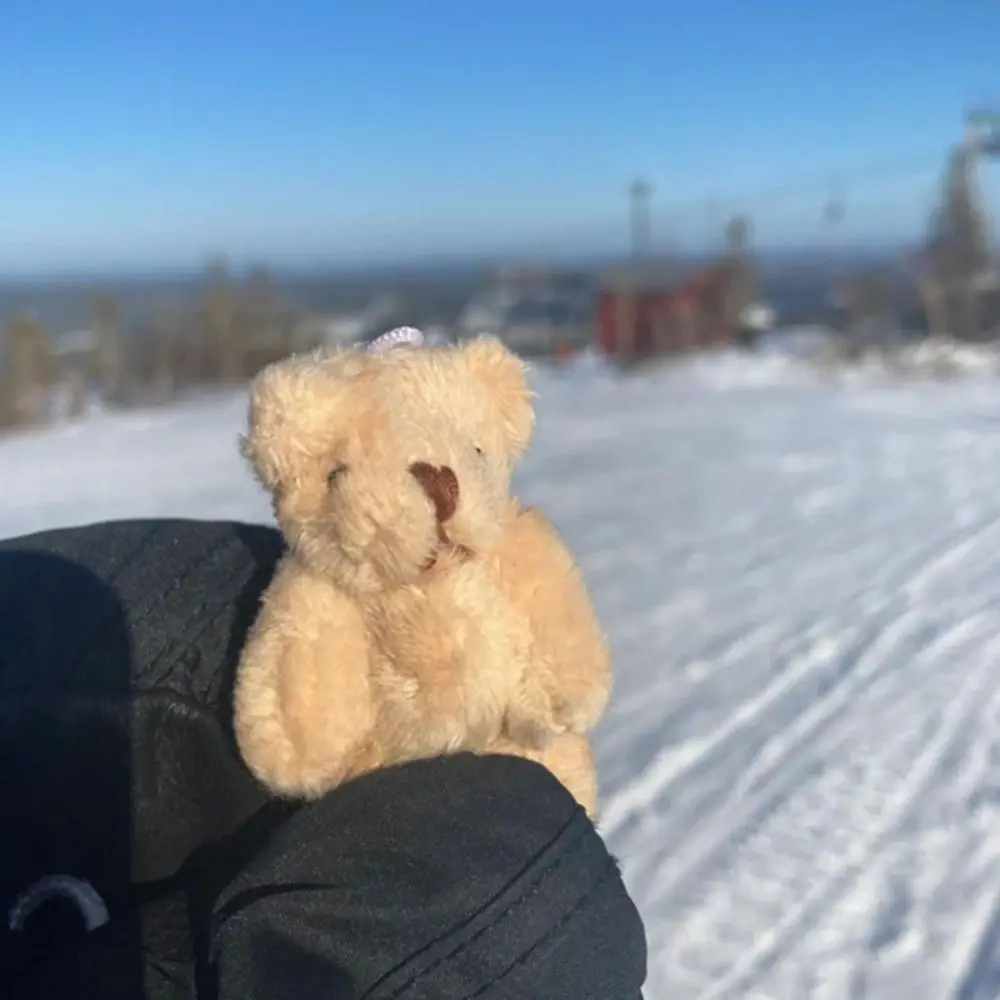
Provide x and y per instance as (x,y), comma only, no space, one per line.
(385,465)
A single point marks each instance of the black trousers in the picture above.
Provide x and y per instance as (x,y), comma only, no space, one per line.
(462,877)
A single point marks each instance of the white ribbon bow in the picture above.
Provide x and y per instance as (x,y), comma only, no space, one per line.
(402,336)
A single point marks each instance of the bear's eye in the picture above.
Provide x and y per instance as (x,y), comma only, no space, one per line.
(334,474)
(480,452)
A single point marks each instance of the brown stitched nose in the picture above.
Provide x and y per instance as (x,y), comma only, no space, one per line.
(441,485)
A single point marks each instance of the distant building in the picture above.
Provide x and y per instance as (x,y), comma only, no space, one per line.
(643,312)
(670,308)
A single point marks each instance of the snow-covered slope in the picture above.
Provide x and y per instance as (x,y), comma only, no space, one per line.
(801,583)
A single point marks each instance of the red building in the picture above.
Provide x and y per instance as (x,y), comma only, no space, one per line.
(646,313)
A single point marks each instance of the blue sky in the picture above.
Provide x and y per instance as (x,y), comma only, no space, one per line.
(159,132)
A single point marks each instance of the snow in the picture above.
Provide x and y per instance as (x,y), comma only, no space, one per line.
(800,578)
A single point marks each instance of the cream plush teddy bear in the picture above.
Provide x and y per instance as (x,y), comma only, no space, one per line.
(419,609)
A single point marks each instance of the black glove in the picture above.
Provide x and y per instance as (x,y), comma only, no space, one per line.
(139,859)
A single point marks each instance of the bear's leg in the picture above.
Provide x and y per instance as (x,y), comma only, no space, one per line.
(303,705)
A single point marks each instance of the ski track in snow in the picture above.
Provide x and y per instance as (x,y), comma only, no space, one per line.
(801,586)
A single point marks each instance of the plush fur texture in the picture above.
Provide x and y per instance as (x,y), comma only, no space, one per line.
(419,609)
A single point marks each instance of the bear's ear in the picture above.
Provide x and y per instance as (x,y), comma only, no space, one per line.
(505,377)
(297,407)
(262,442)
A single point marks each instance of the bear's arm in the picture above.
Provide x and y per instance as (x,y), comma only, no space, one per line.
(570,659)
(303,706)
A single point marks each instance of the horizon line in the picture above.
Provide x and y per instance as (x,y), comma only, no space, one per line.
(371,266)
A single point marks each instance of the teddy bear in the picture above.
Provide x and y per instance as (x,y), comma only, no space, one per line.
(419,608)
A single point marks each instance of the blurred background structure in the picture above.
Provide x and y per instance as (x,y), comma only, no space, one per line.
(692,279)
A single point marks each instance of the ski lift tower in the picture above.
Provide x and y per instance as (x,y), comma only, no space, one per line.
(640,194)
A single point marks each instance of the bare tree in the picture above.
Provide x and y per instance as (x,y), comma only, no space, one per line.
(742,277)
(223,344)
(265,326)
(30,371)
(109,349)
(958,251)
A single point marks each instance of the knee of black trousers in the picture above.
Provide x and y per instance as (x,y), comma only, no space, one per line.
(452,878)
